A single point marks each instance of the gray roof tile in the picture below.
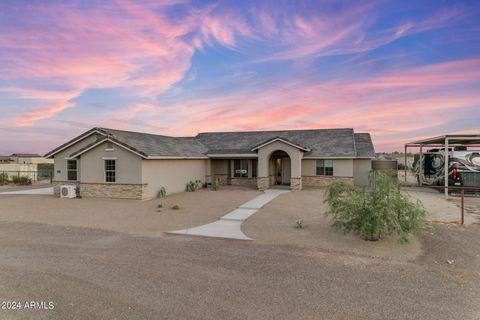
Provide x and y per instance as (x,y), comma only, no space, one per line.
(321,142)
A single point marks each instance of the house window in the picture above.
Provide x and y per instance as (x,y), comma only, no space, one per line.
(72,170)
(324,167)
(110,170)
(254,168)
(240,168)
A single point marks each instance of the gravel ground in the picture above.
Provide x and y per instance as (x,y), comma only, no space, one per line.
(274,224)
(130,216)
(97,274)
(105,259)
(446,211)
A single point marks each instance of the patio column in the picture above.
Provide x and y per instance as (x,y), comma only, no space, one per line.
(263,179)
(446,168)
(296,172)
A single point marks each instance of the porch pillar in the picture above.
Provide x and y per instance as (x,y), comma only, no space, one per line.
(263,179)
(296,172)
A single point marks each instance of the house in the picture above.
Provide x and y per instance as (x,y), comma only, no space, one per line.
(121,164)
(4,159)
(29,158)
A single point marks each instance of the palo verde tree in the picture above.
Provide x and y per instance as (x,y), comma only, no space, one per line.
(376,211)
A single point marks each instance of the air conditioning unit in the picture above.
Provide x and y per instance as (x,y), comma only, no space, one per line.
(68,192)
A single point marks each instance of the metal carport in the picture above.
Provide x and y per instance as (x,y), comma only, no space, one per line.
(445,141)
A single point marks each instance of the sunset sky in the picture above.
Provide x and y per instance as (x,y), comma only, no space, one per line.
(401,70)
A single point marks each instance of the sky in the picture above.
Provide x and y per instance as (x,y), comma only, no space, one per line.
(401,70)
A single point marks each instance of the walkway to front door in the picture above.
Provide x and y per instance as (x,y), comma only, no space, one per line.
(228,226)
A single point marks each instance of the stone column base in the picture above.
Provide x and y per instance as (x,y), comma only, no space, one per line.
(263,183)
(296,183)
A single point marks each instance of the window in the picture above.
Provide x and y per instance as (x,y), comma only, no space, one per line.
(110,170)
(254,168)
(324,167)
(72,170)
(240,168)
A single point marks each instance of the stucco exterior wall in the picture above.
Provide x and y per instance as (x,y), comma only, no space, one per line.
(60,163)
(171,174)
(128,165)
(361,168)
(341,167)
(265,152)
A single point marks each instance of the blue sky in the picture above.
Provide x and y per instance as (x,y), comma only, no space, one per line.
(401,70)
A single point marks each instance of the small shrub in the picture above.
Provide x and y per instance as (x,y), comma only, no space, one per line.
(216,185)
(162,193)
(159,209)
(374,213)
(4,178)
(299,224)
(191,186)
(176,207)
(160,206)
(22,180)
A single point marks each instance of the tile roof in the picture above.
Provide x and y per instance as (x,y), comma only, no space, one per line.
(321,142)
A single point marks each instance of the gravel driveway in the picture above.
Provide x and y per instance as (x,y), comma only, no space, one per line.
(97,274)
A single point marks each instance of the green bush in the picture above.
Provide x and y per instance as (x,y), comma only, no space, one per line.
(373,213)
(216,185)
(4,178)
(22,180)
(191,186)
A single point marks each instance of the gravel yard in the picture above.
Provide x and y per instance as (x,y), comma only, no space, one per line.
(275,224)
(129,216)
(105,259)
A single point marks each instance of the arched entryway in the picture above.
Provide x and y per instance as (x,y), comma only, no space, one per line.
(280,168)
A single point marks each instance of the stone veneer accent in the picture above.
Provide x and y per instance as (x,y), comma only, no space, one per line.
(106,190)
(296,183)
(222,178)
(57,184)
(323,181)
(263,183)
(242,181)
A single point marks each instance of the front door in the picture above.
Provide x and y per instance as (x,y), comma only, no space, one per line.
(285,170)
(282,170)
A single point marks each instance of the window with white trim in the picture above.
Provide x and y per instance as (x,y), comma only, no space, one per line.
(72,173)
(110,170)
(324,167)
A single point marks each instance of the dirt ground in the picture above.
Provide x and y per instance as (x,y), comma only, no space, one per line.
(13,187)
(129,216)
(446,211)
(275,224)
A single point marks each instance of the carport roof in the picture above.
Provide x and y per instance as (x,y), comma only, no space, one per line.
(460,139)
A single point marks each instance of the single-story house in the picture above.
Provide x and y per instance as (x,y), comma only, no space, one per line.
(29,158)
(122,164)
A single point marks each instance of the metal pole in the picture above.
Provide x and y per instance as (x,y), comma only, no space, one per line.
(463,209)
(405,164)
(445,160)
(422,166)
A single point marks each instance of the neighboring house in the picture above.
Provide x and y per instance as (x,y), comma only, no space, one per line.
(4,159)
(28,158)
(122,164)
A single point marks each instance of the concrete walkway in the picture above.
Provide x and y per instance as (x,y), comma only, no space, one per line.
(228,226)
(38,191)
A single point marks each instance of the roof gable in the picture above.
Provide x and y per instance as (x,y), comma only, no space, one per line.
(280,140)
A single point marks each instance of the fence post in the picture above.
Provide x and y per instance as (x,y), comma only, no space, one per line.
(463,209)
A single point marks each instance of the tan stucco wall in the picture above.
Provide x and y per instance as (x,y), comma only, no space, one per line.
(171,174)
(60,163)
(361,168)
(220,166)
(128,165)
(265,152)
(341,167)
